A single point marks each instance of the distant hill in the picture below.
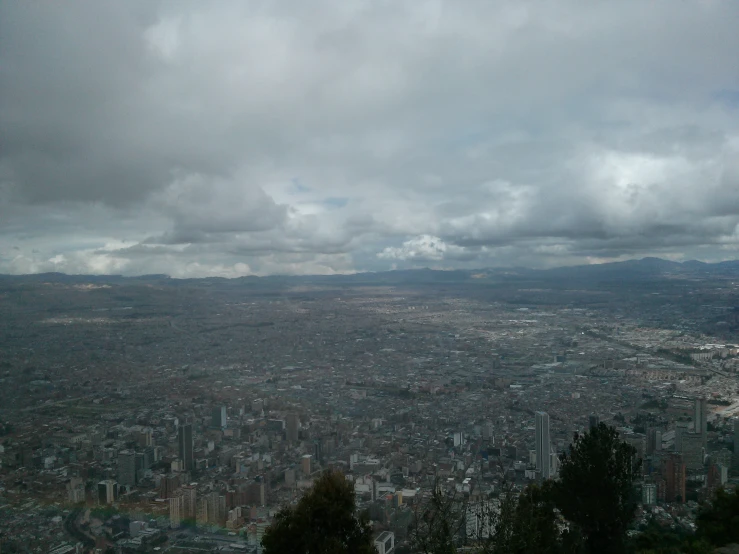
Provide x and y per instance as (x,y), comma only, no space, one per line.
(629,270)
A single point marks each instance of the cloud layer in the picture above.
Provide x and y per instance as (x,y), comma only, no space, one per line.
(232,138)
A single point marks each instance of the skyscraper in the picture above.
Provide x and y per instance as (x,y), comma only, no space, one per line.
(318,451)
(219,420)
(701,413)
(542,444)
(305,464)
(184,440)
(291,424)
(654,441)
(127,468)
(674,473)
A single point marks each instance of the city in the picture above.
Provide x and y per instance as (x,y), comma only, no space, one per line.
(369,277)
(204,407)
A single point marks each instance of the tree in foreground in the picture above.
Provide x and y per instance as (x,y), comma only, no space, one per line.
(323,522)
(438,523)
(596,489)
(527,524)
(718,522)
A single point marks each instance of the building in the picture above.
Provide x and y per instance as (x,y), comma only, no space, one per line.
(543,447)
(692,448)
(176,510)
(385,543)
(674,472)
(168,485)
(700,418)
(318,451)
(681,429)
(649,494)
(290,477)
(717,476)
(479,520)
(593,421)
(76,490)
(145,438)
(216,508)
(107,491)
(305,464)
(219,419)
(190,496)
(127,468)
(202,515)
(184,441)
(487,432)
(292,425)
(654,441)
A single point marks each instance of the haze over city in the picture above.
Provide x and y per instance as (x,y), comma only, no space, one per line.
(372,276)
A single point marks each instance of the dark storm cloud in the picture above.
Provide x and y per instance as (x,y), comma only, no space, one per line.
(289,137)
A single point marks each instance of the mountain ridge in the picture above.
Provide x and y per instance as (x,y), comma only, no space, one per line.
(648,267)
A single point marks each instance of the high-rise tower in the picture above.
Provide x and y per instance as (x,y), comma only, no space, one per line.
(542,445)
(700,418)
(219,420)
(184,440)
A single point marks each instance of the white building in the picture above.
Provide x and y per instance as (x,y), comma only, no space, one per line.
(385,543)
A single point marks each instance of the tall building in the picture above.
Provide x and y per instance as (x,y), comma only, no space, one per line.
(735,461)
(107,491)
(649,494)
(674,473)
(593,421)
(216,508)
(176,510)
(292,423)
(681,429)
(219,419)
(654,441)
(318,451)
(700,418)
(692,450)
(543,447)
(190,495)
(145,438)
(127,468)
(201,516)
(184,440)
(305,464)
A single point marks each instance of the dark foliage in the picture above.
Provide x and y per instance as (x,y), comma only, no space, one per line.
(323,522)
(718,522)
(595,492)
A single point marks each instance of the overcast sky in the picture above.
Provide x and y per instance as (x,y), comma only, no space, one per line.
(231,138)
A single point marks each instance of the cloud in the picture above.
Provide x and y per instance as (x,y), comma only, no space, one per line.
(424,248)
(229,137)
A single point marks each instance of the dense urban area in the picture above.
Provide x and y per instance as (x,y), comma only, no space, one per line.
(154,414)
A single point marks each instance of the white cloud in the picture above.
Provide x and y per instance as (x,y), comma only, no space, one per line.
(231,137)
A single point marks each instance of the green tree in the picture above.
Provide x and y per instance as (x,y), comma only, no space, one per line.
(528,524)
(718,522)
(438,523)
(323,522)
(596,489)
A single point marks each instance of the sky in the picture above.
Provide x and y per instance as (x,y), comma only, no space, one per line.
(240,138)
